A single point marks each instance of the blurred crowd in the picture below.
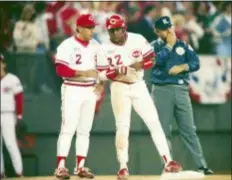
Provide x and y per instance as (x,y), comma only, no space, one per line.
(38,27)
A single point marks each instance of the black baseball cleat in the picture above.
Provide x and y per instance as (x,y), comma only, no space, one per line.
(205,170)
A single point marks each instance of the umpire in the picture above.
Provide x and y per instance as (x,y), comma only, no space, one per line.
(174,61)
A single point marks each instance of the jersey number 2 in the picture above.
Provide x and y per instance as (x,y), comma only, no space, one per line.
(78,60)
(117,58)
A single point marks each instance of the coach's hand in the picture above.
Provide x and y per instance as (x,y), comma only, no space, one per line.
(91,73)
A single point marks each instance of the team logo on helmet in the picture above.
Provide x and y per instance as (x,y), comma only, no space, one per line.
(113,21)
(91,18)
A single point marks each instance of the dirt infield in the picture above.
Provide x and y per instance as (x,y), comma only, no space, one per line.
(215,177)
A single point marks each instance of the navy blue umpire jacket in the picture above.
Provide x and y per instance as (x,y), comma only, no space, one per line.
(166,58)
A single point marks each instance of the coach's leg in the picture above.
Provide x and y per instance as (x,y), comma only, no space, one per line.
(187,128)
(9,136)
(2,166)
(121,105)
(163,97)
(145,107)
(84,127)
(70,112)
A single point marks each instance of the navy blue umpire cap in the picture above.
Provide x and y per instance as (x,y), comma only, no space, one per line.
(163,23)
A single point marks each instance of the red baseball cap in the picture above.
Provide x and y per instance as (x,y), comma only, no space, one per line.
(86,20)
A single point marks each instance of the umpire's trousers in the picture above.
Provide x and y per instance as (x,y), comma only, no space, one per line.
(174,101)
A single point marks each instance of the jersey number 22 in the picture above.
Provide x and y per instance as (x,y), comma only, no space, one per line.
(117,59)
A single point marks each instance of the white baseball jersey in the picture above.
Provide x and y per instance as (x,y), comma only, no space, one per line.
(10,86)
(135,49)
(78,57)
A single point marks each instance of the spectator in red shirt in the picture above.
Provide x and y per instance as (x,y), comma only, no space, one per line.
(68,17)
(51,11)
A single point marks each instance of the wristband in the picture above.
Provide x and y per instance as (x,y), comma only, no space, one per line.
(111,74)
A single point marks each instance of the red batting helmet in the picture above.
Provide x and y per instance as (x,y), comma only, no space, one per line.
(86,20)
(115,21)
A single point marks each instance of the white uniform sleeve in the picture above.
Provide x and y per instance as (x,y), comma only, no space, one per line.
(145,46)
(63,55)
(102,64)
(16,85)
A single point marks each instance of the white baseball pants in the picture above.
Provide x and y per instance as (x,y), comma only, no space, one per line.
(123,97)
(8,135)
(78,106)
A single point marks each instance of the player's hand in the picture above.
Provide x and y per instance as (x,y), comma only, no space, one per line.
(137,66)
(178,69)
(171,38)
(99,88)
(124,70)
(91,73)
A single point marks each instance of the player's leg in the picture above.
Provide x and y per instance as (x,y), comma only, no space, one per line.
(8,123)
(70,112)
(187,128)
(84,127)
(83,134)
(145,107)
(2,166)
(121,105)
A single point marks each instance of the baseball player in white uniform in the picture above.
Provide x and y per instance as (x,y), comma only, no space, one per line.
(76,64)
(128,55)
(11,111)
